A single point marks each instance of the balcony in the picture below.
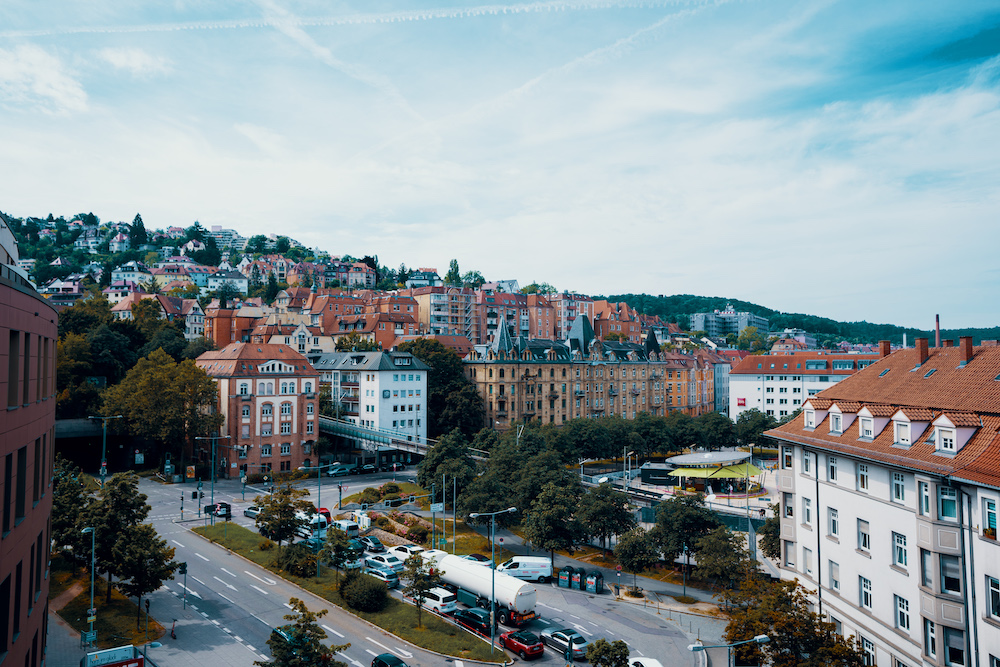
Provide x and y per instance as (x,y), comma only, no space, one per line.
(552,395)
(636,392)
(612,391)
(580,392)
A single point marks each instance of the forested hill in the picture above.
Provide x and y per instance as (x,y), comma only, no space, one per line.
(679,308)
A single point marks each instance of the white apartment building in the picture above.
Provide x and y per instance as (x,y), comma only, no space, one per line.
(382,390)
(778,385)
(889,486)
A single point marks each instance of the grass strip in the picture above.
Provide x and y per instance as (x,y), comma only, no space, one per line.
(398,617)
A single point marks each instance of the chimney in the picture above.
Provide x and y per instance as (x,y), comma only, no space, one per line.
(965,350)
(937,331)
(947,343)
(921,346)
(883,348)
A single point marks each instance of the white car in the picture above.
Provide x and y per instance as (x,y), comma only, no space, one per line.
(641,661)
(385,561)
(404,551)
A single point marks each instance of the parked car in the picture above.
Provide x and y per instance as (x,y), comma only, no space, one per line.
(251,511)
(404,551)
(372,544)
(440,600)
(314,544)
(390,578)
(387,561)
(643,661)
(368,468)
(339,471)
(396,467)
(388,660)
(477,620)
(525,644)
(219,509)
(479,558)
(560,639)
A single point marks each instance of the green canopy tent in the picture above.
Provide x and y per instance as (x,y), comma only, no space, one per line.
(737,471)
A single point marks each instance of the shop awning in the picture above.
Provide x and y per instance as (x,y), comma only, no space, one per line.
(737,471)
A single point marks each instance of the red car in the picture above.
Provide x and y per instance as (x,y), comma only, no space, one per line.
(523,643)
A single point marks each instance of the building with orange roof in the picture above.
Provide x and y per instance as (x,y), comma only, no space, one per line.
(269,400)
(172,308)
(889,484)
(541,317)
(778,385)
(617,318)
(568,307)
(452,311)
(460,345)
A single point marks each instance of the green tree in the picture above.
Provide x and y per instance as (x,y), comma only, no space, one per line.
(119,507)
(682,521)
(279,512)
(770,535)
(137,232)
(752,340)
(454,276)
(84,316)
(282,245)
(336,550)
(353,342)
(144,563)
(197,347)
(300,642)
(257,244)
(70,502)
(798,637)
(551,523)
(606,512)
(473,279)
(602,653)
(271,289)
(446,376)
(635,552)
(722,554)
(462,410)
(750,427)
(449,456)
(715,431)
(421,576)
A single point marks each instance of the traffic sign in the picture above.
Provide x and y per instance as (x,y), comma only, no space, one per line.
(437,507)
(501,540)
(618,567)
(91,619)
(92,612)
(89,636)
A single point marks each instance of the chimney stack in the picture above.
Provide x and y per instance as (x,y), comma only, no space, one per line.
(947,343)
(883,348)
(965,350)
(921,346)
(937,331)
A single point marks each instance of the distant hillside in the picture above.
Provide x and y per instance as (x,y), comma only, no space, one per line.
(679,308)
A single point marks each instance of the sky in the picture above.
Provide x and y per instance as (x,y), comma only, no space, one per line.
(840,159)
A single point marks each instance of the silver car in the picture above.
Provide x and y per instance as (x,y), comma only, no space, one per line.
(559,639)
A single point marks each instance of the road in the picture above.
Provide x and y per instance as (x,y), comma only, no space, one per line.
(232,604)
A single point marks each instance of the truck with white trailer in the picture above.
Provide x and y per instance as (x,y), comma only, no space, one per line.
(473,583)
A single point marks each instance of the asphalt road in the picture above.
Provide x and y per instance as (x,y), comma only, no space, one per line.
(232,605)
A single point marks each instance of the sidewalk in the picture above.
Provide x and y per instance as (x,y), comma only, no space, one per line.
(63,647)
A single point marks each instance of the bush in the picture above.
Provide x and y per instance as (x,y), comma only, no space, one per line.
(370,496)
(365,593)
(349,576)
(265,545)
(388,488)
(296,559)
(383,523)
(417,534)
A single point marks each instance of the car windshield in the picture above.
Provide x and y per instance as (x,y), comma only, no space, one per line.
(577,639)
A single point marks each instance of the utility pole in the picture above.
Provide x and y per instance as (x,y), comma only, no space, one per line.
(104,445)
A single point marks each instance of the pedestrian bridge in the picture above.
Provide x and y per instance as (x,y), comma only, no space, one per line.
(372,438)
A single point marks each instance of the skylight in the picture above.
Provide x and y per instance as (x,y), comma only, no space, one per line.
(930,372)
(887,370)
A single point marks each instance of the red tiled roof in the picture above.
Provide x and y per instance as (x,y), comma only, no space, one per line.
(918,414)
(820,403)
(795,364)
(242,360)
(848,406)
(963,419)
(877,410)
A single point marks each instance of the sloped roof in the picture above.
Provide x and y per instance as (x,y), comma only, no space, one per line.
(243,360)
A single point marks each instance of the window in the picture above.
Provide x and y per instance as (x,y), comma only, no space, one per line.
(864,537)
(990,518)
(947,503)
(266,410)
(246,411)
(835,423)
(865,596)
(834,522)
(925,569)
(951,574)
(807,511)
(867,427)
(831,468)
(265,450)
(244,389)
(898,487)
(309,408)
(902,433)
(954,645)
(899,549)
(867,652)
(810,419)
(286,428)
(786,457)
(862,477)
(925,498)
(805,462)
(807,560)
(834,575)
(930,639)
(789,554)
(286,448)
(993,593)
(946,439)
(286,408)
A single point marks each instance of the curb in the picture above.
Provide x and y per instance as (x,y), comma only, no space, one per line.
(380,629)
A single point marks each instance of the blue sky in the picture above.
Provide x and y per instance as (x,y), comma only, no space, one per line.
(834,158)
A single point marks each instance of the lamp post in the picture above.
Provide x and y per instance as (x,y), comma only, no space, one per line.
(493,571)
(319,491)
(759,639)
(214,439)
(104,448)
(92,565)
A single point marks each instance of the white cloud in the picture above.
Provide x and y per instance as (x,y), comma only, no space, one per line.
(33,78)
(136,62)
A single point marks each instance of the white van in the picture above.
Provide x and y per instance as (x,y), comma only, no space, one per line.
(440,600)
(315,525)
(531,568)
(349,527)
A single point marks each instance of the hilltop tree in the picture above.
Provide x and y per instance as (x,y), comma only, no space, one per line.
(473,279)
(454,276)
(137,232)
(282,245)
(144,563)
(271,289)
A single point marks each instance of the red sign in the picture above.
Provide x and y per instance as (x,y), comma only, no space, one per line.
(741,402)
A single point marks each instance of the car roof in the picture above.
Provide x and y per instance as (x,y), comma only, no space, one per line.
(390,659)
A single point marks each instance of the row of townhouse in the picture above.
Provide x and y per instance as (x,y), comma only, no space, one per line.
(173,308)
(889,484)
(522,379)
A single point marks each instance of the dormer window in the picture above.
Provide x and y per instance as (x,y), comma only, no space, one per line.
(835,423)
(901,433)
(946,439)
(867,428)
(810,419)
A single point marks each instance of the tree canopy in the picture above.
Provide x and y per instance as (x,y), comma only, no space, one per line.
(682,521)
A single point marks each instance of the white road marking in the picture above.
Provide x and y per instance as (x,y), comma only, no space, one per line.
(193,607)
(261,620)
(377,644)
(259,589)
(199,581)
(582,629)
(289,606)
(405,654)
(215,622)
(223,596)
(227,631)
(238,638)
(252,649)
(351,660)
(368,650)
(266,580)
(203,614)
(329,629)
(639,652)
(542,604)
(459,663)
(188,589)
(201,557)
(177,543)
(225,583)
(227,572)
(573,616)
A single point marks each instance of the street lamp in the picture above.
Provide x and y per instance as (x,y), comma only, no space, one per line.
(319,491)
(92,564)
(493,571)
(759,639)
(214,439)
(104,447)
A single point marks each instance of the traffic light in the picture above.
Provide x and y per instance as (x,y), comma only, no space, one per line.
(183,568)
(147,605)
